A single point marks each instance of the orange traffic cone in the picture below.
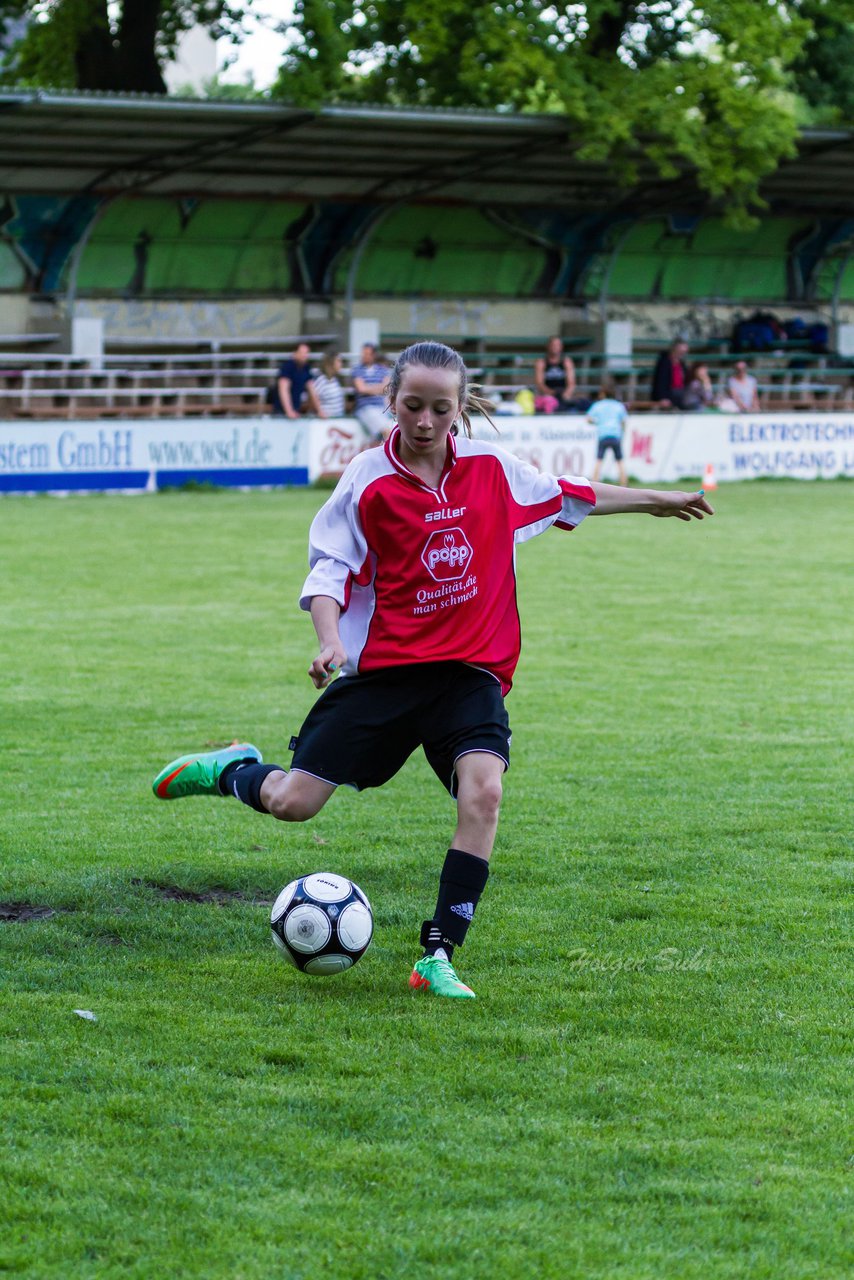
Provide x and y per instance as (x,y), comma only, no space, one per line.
(709,481)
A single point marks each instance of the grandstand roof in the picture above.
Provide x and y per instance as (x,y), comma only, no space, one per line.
(69,143)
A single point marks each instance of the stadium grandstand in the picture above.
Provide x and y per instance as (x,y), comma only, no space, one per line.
(157,256)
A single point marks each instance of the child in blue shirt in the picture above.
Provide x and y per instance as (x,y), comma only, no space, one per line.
(609,416)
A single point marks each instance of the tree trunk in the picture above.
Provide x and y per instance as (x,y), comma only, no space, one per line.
(94,54)
(127,62)
(607,28)
(138,64)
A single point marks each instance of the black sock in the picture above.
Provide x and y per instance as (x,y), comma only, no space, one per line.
(461,883)
(244,779)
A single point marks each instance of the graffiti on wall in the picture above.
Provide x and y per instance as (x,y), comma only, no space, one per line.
(148,319)
(146,247)
(38,235)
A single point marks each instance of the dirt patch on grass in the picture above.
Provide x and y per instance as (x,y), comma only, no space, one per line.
(174,893)
(23,912)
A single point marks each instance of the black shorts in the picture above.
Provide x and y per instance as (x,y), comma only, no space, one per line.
(610,442)
(364,728)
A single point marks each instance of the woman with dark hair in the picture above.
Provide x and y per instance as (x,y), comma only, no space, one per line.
(554,381)
(699,393)
(670,377)
(743,389)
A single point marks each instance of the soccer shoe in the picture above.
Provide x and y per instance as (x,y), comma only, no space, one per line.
(198,775)
(434,973)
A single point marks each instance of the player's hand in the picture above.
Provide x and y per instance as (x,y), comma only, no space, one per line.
(326,665)
(685,506)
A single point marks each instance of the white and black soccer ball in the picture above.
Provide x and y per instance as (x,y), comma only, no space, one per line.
(322,923)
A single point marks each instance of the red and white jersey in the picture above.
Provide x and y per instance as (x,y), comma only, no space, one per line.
(429,575)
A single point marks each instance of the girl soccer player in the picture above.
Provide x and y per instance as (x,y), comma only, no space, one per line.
(412,592)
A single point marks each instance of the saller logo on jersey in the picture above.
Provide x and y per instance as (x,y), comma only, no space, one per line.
(447,555)
(447,513)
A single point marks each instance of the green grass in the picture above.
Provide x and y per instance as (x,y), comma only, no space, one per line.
(654,1079)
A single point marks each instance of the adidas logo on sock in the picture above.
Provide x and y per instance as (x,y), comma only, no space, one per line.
(464,909)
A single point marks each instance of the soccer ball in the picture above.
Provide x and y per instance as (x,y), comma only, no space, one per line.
(322,923)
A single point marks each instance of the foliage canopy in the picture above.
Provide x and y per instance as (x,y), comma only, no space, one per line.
(703,88)
(95,44)
(715,90)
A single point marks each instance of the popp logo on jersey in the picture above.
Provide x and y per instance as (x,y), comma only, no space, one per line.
(447,555)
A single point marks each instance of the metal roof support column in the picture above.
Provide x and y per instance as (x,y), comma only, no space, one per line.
(77,255)
(470,166)
(179,158)
(606,279)
(355,262)
(837,291)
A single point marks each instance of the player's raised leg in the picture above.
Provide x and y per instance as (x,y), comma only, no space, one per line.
(199,774)
(238,771)
(294,796)
(464,874)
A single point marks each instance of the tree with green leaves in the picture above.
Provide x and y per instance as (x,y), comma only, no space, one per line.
(703,88)
(715,89)
(90,44)
(823,72)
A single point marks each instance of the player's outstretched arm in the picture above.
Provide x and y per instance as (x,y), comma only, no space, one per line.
(325,613)
(614,499)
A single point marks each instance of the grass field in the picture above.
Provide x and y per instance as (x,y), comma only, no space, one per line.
(655,1078)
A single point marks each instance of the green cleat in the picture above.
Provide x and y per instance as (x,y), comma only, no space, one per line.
(198,775)
(434,973)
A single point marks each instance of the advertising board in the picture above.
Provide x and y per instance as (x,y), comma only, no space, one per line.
(59,457)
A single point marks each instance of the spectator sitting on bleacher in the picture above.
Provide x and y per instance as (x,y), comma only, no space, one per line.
(328,386)
(294,381)
(742,389)
(670,378)
(554,380)
(699,393)
(369,381)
